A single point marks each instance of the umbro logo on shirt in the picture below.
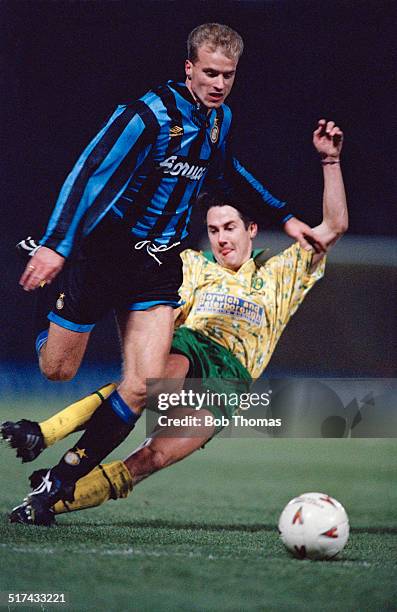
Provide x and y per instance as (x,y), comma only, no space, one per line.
(176,131)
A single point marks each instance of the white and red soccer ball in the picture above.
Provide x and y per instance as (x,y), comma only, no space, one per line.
(314,526)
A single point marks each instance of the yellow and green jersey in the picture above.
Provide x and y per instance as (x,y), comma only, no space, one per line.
(245,311)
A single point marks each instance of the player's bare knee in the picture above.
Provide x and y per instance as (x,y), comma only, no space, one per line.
(134,394)
(61,372)
(146,461)
(160,459)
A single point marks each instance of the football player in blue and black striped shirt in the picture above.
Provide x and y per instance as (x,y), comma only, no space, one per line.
(121,220)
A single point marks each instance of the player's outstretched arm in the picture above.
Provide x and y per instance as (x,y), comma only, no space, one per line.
(249,189)
(328,141)
(304,234)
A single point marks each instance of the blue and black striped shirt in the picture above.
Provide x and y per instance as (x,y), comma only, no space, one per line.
(147,165)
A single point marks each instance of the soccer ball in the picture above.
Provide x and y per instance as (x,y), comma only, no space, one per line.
(314,526)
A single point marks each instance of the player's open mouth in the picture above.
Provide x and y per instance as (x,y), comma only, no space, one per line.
(215,96)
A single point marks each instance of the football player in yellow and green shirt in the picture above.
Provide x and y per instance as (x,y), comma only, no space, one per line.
(236,305)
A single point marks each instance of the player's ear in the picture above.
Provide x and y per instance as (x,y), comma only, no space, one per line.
(188,69)
(253,229)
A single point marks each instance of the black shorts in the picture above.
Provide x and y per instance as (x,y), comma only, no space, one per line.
(116,271)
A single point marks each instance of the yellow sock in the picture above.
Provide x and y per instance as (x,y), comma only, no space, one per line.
(74,417)
(107,481)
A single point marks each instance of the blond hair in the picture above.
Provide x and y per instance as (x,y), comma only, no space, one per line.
(215,35)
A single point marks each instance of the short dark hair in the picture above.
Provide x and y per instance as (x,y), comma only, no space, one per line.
(208,200)
(215,35)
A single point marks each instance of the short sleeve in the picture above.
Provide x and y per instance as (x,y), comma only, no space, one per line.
(291,272)
(192,265)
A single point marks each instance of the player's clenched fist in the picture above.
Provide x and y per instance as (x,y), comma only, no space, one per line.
(328,140)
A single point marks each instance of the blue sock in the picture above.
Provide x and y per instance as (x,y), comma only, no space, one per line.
(122,409)
(40,341)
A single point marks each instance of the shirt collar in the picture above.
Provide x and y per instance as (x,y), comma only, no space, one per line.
(200,110)
(185,92)
(255,258)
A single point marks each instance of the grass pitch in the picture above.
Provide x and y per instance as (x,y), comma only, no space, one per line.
(202,535)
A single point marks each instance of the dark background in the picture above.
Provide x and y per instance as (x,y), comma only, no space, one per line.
(65,65)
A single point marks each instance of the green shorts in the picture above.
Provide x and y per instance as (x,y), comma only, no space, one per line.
(219,371)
